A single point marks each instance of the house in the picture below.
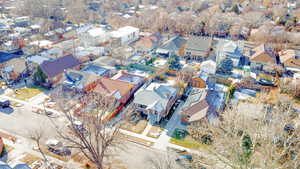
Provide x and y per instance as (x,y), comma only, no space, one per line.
(125,36)
(195,107)
(198,82)
(155,100)
(54,69)
(230,49)
(173,46)
(14,69)
(120,90)
(67,45)
(136,80)
(97,70)
(80,81)
(94,37)
(52,53)
(106,62)
(209,67)
(262,58)
(37,59)
(198,48)
(145,45)
(290,59)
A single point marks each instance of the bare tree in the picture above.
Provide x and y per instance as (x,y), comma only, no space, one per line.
(165,160)
(37,136)
(96,137)
(252,138)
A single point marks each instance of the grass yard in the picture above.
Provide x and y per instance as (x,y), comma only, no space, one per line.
(188,142)
(27,93)
(138,128)
(29,159)
(155,132)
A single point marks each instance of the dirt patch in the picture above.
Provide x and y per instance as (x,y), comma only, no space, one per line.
(29,159)
(138,128)
(154,132)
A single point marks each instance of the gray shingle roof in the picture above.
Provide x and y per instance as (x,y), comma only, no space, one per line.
(54,67)
(198,43)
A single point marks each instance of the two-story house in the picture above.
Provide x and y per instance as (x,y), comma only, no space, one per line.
(155,101)
(198,48)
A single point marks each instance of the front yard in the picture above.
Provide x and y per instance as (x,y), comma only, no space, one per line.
(26,93)
(188,142)
(181,138)
(138,128)
(154,132)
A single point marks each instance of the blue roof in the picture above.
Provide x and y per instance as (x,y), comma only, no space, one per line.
(22,166)
(100,71)
(5,167)
(4,56)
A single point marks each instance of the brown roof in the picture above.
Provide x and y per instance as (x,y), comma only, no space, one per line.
(262,55)
(196,108)
(290,58)
(144,43)
(109,86)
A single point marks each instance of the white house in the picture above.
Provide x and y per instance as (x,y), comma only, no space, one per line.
(209,67)
(94,37)
(125,35)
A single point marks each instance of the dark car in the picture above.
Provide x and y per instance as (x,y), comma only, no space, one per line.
(265,82)
(4,104)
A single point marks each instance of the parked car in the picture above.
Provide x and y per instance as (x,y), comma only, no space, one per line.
(57,147)
(187,157)
(78,126)
(4,104)
(51,114)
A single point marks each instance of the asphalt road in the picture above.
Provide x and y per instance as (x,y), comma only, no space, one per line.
(22,121)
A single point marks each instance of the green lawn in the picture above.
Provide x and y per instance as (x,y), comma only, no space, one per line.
(188,142)
(27,93)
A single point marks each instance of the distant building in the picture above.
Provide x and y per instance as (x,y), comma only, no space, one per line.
(94,37)
(125,36)
(290,59)
(173,46)
(230,49)
(198,48)
(262,58)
